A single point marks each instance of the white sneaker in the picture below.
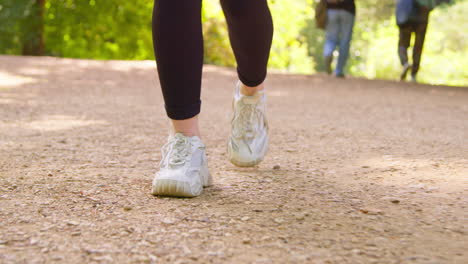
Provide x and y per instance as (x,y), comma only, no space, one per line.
(183,168)
(248,142)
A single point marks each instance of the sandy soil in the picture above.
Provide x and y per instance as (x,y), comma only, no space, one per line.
(358,171)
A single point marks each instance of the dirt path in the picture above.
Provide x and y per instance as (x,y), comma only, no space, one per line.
(358,171)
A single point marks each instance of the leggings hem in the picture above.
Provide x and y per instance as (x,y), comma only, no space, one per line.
(251,83)
(183,112)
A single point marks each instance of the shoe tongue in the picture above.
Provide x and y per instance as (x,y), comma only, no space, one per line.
(182,136)
(179,150)
(178,135)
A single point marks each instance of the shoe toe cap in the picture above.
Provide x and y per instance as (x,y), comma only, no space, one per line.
(242,154)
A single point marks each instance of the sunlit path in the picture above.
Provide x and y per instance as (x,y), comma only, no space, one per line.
(359,171)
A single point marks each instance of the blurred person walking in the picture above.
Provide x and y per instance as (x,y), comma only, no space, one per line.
(178,47)
(413,17)
(339,31)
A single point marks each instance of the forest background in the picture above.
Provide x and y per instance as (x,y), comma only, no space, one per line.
(119,29)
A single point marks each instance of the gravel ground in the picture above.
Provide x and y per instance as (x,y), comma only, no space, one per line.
(359,171)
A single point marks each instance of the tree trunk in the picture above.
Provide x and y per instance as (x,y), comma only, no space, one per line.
(33,30)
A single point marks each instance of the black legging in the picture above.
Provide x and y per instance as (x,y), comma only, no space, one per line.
(178,46)
(404,42)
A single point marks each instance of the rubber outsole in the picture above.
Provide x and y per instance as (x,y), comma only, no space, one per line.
(245,164)
(405,72)
(174,188)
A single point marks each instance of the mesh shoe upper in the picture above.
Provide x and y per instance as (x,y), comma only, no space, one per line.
(248,142)
(183,162)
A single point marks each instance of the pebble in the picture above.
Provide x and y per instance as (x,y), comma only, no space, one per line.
(369,211)
(276,167)
(72,223)
(33,241)
(153,258)
(392,199)
(301,216)
(90,251)
(417,186)
(245,218)
(168,221)
(279,220)
(57,257)
(103,258)
(246,241)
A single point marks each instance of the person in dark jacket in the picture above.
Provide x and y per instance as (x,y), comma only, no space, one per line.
(416,22)
(339,31)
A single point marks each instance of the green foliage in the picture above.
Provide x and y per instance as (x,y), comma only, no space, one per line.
(289,50)
(13,14)
(104,29)
(446,53)
(118,29)
(217,49)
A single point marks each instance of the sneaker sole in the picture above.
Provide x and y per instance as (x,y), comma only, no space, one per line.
(175,188)
(245,164)
(404,73)
(166,187)
(239,163)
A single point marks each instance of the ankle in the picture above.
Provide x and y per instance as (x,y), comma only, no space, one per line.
(249,91)
(187,127)
(188,133)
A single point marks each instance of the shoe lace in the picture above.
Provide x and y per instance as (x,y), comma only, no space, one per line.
(245,122)
(177,150)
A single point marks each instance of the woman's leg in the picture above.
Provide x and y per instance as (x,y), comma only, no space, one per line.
(250,32)
(178,47)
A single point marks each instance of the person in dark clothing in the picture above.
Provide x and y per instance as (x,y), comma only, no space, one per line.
(417,22)
(347,5)
(339,31)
